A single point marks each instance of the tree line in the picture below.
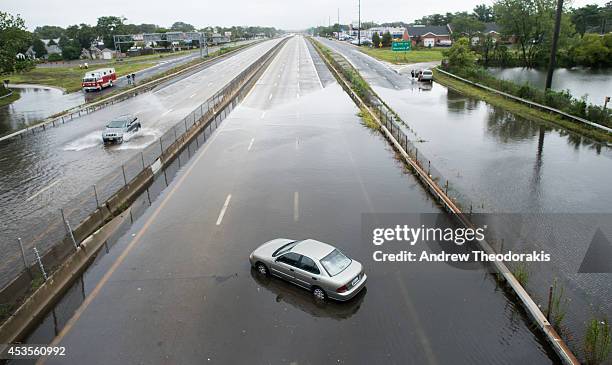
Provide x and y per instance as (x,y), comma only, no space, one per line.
(15,38)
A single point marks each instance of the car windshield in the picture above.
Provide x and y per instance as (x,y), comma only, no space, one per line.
(284,248)
(88,79)
(116,124)
(335,262)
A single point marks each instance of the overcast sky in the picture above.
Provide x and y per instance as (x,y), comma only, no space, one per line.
(285,14)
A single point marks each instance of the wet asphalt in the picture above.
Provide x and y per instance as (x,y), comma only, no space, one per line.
(42,173)
(293,160)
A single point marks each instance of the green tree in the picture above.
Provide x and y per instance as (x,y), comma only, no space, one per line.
(484,13)
(460,56)
(39,47)
(49,31)
(71,50)
(386,39)
(13,39)
(107,27)
(466,25)
(592,51)
(531,22)
(375,39)
(182,27)
(587,17)
(84,34)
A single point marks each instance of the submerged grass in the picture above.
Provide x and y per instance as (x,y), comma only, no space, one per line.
(367,120)
(597,341)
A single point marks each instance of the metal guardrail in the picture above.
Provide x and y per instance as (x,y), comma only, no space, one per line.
(84,109)
(50,230)
(528,102)
(390,126)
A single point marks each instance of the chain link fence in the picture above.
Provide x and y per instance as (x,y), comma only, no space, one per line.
(50,232)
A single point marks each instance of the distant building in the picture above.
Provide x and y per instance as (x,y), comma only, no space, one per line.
(107,54)
(429,35)
(30,53)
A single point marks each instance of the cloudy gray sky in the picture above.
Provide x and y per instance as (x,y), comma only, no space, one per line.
(285,14)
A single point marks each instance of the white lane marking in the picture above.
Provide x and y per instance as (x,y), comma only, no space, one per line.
(192,95)
(314,68)
(296,206)
(263,114)
(270,97)
(166,112)
(43,190)
(251,144)
(222,213)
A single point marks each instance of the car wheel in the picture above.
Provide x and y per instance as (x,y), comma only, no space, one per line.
(261,268)
(318,293)
(110,84)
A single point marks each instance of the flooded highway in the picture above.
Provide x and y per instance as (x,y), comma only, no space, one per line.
(293,160)
(503,163)
(39,102)
(41,173)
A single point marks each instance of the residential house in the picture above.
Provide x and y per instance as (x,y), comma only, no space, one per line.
(95,52)
(429,35)
(490,30)
(30,53)
(107,54)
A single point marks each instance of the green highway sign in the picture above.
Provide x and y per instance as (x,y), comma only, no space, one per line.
(401,46)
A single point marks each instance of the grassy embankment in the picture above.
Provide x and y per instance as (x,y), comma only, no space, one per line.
(413,56)
(520,108)
(69,78)
(9,99)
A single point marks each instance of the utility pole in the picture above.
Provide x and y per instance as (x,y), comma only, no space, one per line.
(553,48)
(359,29)
(339,24)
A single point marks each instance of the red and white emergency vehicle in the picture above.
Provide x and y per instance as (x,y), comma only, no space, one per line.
(99,79)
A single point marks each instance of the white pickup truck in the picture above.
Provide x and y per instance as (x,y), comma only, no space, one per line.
(119,128)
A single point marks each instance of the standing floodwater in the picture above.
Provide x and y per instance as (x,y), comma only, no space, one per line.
(595,84)
(35,104)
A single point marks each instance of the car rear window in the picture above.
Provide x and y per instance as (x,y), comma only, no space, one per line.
(335,262)
(284,248)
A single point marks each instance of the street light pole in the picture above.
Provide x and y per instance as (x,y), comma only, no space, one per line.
(339,24)
(359,29)
(553,50)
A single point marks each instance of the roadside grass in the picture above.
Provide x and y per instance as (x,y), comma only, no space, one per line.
(367,120)
(9,99)
(69,78)
(521,109)
(413,56)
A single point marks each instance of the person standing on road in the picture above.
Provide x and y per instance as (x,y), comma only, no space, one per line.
(129,79)
(134,78)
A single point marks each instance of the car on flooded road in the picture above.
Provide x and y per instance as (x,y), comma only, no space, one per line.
(425,75)
(120,128)
(311,264)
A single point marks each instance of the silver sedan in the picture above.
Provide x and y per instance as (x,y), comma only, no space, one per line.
(313,265)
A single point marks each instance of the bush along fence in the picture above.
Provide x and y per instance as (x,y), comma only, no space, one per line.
(78,111)
(56,237)
(394,130)
(558,102)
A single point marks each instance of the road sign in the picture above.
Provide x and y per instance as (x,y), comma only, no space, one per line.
(401,46)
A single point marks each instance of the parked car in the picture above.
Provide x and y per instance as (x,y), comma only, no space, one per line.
(119,128)
(426,75)
(311,264)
